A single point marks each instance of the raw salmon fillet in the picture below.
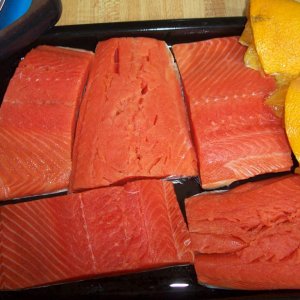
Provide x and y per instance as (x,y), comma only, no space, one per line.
(236,135)
(133,121)
(37,120)
(250,238)
(100,232)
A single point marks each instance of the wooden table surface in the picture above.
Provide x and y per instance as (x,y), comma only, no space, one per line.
(100,11)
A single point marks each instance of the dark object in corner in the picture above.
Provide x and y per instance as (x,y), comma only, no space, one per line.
(41,16)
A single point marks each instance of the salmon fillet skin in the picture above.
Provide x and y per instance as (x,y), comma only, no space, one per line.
(235,134)
(37,121)
(133,122)
(106,231)
(250,238)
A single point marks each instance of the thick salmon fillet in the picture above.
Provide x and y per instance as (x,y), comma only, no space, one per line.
(235,133)
(248,239)
(133,121)
(100,232)
(37,121)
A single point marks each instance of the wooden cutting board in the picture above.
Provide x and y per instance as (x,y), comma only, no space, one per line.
(99,11)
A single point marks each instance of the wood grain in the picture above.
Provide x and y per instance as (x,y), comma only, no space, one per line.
(103,11)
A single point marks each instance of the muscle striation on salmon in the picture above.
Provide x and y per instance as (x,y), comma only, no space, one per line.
(133,122)
(248,238)
(235,133)
(37,121)
(101,232)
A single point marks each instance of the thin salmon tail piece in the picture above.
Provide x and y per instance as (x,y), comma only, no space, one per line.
(174,240)
(181,235)
(133,122)
(37,121)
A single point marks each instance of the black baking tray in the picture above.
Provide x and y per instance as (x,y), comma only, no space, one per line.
(156,283)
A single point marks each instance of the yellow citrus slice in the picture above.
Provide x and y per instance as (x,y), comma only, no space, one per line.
(292,116)
(246,38)
(251,58)
(277,100)
(276,32)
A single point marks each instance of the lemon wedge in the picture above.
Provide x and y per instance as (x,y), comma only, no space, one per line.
(292,116)
(276,33)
